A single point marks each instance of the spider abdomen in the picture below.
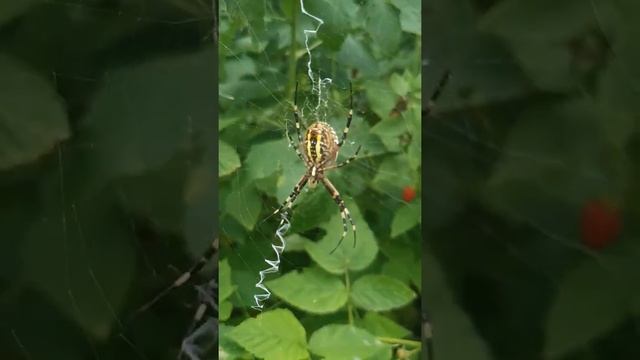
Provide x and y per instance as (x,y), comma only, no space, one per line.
(320,144)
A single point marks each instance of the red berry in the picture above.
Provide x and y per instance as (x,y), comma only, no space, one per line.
(408,193)
(600,224)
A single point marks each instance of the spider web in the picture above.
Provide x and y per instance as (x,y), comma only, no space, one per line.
(509,190)
(92,245)
(323,94)
(319,98)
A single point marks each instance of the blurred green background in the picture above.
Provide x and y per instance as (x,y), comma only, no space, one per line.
(532,169)
(323,305)
(107,173)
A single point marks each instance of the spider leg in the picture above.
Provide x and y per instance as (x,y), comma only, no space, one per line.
(208,254)
(344,212)
(349,117)
(296,148)
(436,93)
(294,194)
(296,115)
(346,162)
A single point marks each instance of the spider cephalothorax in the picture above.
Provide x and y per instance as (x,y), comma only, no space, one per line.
(320,147)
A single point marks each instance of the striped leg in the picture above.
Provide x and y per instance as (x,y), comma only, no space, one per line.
(349,117)
(346,162)
(296,115)
(296,148)
(294,194)
(204,259)
(344,212)
(436,94)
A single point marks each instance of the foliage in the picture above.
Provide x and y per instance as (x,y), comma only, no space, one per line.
(324,303)
(106,176)
(533,158)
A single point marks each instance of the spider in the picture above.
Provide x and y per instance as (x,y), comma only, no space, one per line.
(318,149)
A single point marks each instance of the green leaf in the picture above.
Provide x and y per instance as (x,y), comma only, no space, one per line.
(399,84)
(346,257)
(380,293)
(383,26)
(380,325)
(546,55)
(390,131)
(157,195)
(405,219)
(273,335)
(227,348)
(10,9)
(393,175)
(556,156)
(341,342)
(354,55)
(617,90)
(225,287)
(80,255)
(201,200)
(311,290)
(403,265)
(498,80)
(32,119)
(225,310)
(250,12)
(381,98)
(453,331)
(337,17)
(229,160)
(265,159)
(590,302)
(147,113)
(311,208)
(244,204)
(410,15)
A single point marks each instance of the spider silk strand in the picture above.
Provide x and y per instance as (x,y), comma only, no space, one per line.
(283,227)
(316,87)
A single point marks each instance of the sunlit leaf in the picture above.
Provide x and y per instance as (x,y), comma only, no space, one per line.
(311,290)
(344,342)
(346,257)
(379,325)
(227,348)
(273,335)
(228,159)
(380,293)
(225,288)
(410,15)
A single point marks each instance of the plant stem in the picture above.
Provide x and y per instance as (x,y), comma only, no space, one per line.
(292,52)
(390,340)
(349,306)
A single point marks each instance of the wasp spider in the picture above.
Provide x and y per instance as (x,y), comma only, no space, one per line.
(318,149)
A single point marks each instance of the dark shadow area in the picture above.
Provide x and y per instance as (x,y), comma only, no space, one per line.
(107,174)
(531,187)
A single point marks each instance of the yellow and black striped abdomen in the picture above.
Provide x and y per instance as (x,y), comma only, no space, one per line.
(320,145)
